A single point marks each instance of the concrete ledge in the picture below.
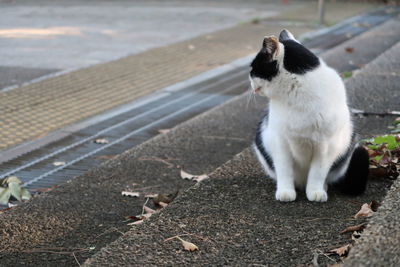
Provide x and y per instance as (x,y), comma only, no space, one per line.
(379,244)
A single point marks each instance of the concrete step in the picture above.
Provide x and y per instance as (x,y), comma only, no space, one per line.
(80,217)
(234,219)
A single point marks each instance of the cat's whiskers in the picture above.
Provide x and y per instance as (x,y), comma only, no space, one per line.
(250,96)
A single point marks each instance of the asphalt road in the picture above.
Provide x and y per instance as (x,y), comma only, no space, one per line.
(42,37)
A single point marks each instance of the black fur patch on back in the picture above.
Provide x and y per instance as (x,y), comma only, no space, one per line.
(263,67)
(298,59)
(260,146)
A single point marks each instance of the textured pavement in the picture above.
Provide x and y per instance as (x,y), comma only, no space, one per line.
(249,227)
(235,220)
(380,243)
(90,212)
(32,111)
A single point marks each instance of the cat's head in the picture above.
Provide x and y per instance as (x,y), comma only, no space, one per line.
(280,59)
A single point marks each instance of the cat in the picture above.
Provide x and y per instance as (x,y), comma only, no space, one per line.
(306,139)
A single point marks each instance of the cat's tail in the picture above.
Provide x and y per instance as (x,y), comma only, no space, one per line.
(354,182)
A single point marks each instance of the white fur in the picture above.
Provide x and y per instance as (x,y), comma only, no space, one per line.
(309,126)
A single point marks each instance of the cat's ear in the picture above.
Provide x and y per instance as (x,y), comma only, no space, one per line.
(271,45)
(286,35)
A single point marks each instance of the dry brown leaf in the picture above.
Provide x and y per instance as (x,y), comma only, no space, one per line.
(101,141)
(137,222)
(59,163)
(189,246)
(365,211)
(358,227)
(165,198)
(148,210)
(144,216)
(130,194)
(342,251)
(349,49)
(374,205)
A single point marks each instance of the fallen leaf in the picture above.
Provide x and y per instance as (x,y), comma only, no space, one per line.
(358,227)
(25,195)
(365,211)
(143,216)
(185,175)
(342,251)
(165,198)
(201,178)
(163,131)
(130,194)
(374,205)
(150,195)
(12,188)
(59,163)
(148,210)
(137,222)
(101,141)
(197,178)
(189,246)
(349,49)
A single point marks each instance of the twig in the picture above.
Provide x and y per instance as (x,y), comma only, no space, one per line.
(372,113)
(327,218)
(326,255)
(73,254)
(175,236)
(147,200)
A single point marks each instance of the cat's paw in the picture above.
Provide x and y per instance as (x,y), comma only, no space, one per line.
(285,195)
(317,195)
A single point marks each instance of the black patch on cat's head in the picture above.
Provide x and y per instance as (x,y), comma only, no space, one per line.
(284,35)
(298,59)
(264,66)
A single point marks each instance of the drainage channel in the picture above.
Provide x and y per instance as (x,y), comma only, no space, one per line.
(79,152)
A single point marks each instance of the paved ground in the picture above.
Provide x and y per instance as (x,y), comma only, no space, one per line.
(32,111)
(90,211)
(249,227)
(65,35)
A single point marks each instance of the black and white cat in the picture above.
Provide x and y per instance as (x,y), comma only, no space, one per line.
(306,139)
